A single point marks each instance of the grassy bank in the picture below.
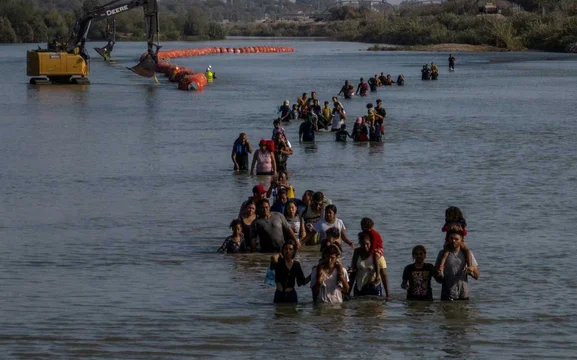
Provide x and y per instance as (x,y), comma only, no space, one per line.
(455,48)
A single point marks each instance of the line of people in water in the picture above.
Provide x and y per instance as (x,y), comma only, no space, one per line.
(290,223)
(271,156)
(374,82)
(430,73)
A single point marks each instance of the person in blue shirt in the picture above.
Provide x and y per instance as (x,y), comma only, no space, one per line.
(240,151)
(281,201)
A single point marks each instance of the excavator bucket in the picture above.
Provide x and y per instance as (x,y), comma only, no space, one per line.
(103,51)
(145,67)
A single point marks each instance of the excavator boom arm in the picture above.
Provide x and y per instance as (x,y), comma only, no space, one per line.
(80,31)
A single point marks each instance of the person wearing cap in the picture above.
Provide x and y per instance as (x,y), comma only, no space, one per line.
(285,111)
(280,201)
(269,229)
(209,74)
(258,193)
(264,160)
(240,151)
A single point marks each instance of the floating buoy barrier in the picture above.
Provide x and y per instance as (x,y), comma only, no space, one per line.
(186,78)
(179,53)
(196,81)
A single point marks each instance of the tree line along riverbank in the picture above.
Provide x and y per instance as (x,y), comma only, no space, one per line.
(455,21)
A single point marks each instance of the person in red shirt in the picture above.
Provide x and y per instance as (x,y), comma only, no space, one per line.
(367,226)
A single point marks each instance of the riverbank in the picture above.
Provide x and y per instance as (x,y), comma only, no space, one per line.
(449,47)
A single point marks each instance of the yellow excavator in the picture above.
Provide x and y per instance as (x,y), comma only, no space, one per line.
(68,62)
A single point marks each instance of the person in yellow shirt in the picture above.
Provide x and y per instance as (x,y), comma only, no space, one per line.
(327,113)
(302,102)
(209,74)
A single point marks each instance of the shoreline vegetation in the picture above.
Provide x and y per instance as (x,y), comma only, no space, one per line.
(452,48)
(453,25)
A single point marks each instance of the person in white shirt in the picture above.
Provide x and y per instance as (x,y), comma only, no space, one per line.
(330,220)
(329,280)
(339,117)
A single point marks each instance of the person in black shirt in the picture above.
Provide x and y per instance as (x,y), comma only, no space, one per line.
(417,276)
(288,273)
(373,83)
(342,134)
(307,131)
(380,109)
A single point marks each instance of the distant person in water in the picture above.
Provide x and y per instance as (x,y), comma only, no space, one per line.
(307,131)
(451,62)
(389,80)
(362,88)
(240,151)
(347,90)
(342,134)
(373,83)
(285,111)
(401,80)
(382,78)
(264,160)
(338,117)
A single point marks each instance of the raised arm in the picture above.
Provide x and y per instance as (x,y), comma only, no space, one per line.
(345,238)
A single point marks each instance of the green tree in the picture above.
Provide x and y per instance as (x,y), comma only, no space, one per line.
(7,33)
(196,22)
(216,31)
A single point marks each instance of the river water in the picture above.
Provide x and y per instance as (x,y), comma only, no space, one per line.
(116,195)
